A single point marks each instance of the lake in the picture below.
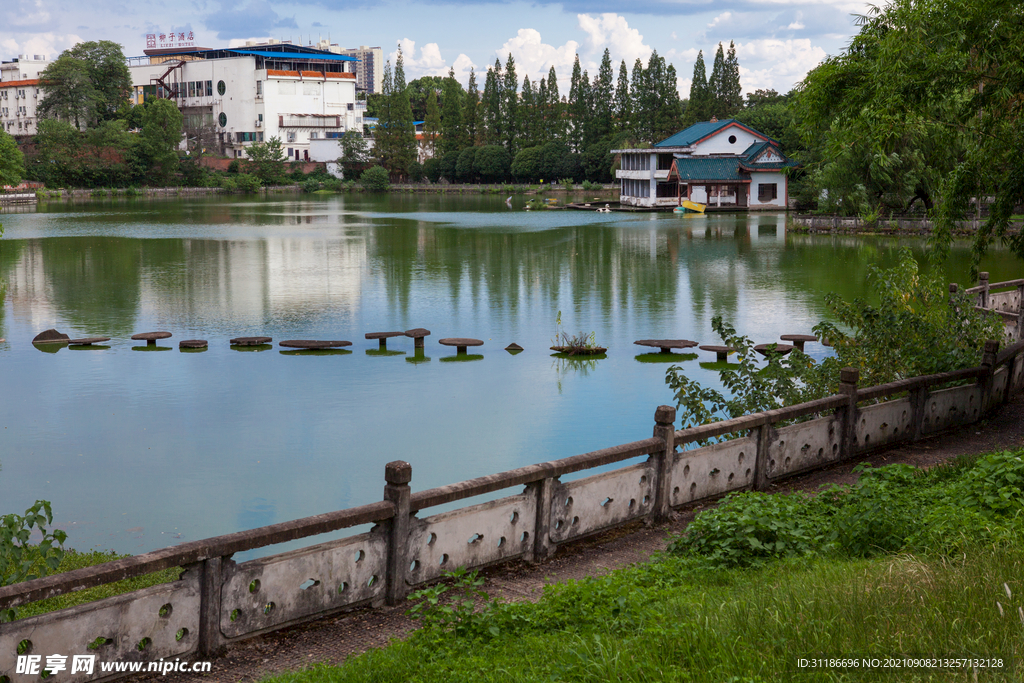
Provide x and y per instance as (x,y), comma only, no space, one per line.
(139,449)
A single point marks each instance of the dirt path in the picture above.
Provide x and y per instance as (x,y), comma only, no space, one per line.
(335,638)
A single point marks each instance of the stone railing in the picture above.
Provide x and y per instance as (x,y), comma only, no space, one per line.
(217,602)
(1004,299)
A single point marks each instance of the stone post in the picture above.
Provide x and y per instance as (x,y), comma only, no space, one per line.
(397,474)
(983,282)
(988,361)
(848,378)
(664,459)
(211,640)
(762,436)
(544,491)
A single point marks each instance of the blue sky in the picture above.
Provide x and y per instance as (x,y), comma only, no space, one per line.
(777,41)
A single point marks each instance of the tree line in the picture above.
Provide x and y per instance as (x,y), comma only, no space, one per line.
(529,130)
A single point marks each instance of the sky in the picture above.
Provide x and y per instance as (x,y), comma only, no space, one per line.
(777,41)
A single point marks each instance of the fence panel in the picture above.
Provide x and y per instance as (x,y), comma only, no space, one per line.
(145,625)
(587,505)
(713,470)
(470,537)
(275,590)
(804,446)
(947,408)
(884,423)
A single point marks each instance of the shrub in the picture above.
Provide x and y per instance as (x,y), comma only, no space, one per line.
(432,169)
(234,167)
(248,183)
(375,179)
(566,184)
(415,172)
(228,184)
(310,185)
(20,561)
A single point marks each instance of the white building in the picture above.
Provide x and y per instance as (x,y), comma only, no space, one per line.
(252,94)
(369,69)
(723,164)
(20,94)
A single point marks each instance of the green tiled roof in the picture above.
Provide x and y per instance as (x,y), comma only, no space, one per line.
(699,131)
(710,168)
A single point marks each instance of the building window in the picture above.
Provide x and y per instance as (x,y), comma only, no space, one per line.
(191,88)
(314,135)
(221,88)
(291,136)
(259,88)
(222,119)
(767,192)
(209,88)
(289,151)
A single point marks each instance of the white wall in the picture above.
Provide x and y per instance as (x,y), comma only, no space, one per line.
(719,142)
(757,179)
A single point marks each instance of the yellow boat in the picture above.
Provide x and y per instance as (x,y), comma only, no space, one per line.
(690,207)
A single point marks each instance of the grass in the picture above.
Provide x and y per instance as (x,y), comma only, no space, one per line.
(77,560)
(689,617)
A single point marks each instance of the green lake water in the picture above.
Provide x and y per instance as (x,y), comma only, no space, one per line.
(139,450)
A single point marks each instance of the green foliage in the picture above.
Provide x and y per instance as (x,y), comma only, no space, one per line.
(86,85)
(395,137)
(491,163)
(917,328)
(247,183)
(161,135)
(375,179)
(21,561)
(890,509)
(311,185)
(432,169)
(235,166)
(457,606)
(12,161)
(582,343)
(354,151)
(567,184)
(265,160)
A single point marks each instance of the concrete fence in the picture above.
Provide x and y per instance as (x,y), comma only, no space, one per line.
(217,602)
(910,225)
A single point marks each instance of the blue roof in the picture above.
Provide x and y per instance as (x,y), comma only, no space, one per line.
(699,131)
(301,56)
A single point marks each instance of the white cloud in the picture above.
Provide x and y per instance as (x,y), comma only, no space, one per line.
(430,62)
(49,44)
(534,58)
(613,31)
(722,18)
(776,64)
(26,13)
(240,42)
(798,23)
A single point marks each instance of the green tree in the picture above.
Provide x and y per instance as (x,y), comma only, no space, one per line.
(471,112)
(577,110)
(108,72)
(265,160)
(554,121)
(432,124)
(395,137)
(717,85)
(419,91)
(58,147)
(732,91)
(700,105)
(491,104)
(354,151)
(160,138)
(603,96)
(492,163)
(12,161)
(453,134)
(510,113)
(375,179)
(86,85)
(465,170)
(623,102)
(68,92)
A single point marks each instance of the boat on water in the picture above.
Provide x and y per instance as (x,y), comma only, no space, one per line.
(690,207)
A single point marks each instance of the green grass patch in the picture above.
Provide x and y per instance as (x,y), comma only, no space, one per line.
(77,560)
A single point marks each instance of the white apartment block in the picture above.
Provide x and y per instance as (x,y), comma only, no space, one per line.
(255,93)
(20,94)
(369,69)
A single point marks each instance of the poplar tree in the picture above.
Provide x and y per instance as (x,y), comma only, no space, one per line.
(493,130)
(453,134)
(510,113)
(405,131)
(732,92)
(553,116)
(636,93)
(471,111)
(384,133)
(699,107)
(432,123)
(529,111)
(716,85)
(623,109)
(603,98)
(577,107)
